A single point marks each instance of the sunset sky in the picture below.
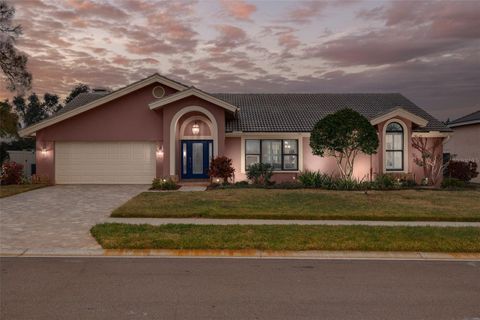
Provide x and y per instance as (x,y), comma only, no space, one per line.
(429,51)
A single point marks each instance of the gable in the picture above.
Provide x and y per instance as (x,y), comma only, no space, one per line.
(402,113)
(193,92)
(71,110)
(126,118)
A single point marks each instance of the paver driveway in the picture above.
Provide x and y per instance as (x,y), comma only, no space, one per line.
(59,217)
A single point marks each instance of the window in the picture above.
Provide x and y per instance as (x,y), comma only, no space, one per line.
(281,154)
(394,147)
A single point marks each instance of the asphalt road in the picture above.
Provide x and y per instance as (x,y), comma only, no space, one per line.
(158,288)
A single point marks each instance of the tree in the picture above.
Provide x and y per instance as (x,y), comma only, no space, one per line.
(51,103)
(36,110)
(12,62)
(79,88)
(431,159)
(35,113)
(343,135)
(8,120)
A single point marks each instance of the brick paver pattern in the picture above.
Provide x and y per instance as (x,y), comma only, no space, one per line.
(59,216)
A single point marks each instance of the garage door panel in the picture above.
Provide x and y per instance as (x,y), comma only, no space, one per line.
(104,162)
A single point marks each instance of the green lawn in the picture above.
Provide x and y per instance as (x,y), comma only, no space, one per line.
(10,190)
(287,237)
(426,205)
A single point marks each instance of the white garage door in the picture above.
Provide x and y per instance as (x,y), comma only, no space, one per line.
(104,162)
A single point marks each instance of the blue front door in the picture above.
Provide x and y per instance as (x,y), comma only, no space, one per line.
(196,156)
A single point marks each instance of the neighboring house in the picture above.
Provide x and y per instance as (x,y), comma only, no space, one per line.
(158,127)
(465,142)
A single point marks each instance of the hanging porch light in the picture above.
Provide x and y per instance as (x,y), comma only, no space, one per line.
(195,128)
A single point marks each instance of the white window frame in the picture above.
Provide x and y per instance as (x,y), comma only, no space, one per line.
(405,146)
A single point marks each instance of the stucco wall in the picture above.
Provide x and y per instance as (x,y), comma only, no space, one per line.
(127,118)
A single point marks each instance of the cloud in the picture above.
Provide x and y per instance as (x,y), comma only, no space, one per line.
(432,29)
(439,19)
(91,8)
(378,48)
(239,9)
(430,54)
(305,11)
(230,37)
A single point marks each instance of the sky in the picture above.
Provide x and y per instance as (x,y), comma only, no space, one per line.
(427,50)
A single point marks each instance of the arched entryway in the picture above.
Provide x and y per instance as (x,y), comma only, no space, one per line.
(193,142)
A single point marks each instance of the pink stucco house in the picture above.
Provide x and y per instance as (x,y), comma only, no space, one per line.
(158,127)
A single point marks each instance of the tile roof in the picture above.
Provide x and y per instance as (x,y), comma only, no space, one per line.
(80,100)
(299,112)
(475,116)
(292,112)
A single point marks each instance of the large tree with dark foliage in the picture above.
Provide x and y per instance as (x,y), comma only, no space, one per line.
(8,120)
(12,62)
(34,110)
(343,135)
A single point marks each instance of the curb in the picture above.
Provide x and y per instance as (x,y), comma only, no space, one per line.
(252,254)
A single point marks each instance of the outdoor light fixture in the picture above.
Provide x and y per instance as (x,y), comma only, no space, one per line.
(160,151)
(195,128)
(44,152)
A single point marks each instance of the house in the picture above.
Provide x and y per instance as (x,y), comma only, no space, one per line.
(464,144)
(158,127)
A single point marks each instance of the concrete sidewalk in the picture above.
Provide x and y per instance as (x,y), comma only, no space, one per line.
(202,221)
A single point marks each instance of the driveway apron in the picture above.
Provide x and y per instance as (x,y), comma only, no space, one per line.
(59,216)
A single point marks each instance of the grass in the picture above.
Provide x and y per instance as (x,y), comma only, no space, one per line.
(287,237)
(422,205)
(10,190)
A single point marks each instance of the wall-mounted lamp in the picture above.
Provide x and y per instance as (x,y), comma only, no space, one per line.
(44,152)
(195,128)
(160,151)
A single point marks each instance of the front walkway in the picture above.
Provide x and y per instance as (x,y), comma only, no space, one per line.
(59,216)
(161,221)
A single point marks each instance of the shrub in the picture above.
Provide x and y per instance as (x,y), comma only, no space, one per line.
(385,181)
(221,167)
(461,170)
(260,173)
(310,179)
(12,173)
(453,183)
(164,184)
(242,183)
(287,185)
(316,179)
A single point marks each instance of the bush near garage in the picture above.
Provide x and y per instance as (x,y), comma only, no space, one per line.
(12,173)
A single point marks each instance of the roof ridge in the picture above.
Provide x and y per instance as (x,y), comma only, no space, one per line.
(465,116)
(308,93)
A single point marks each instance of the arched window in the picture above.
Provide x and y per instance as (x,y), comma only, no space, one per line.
(394,147)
